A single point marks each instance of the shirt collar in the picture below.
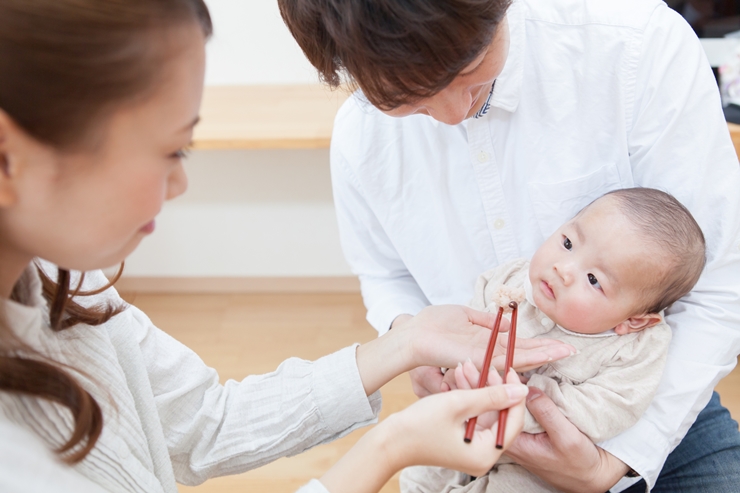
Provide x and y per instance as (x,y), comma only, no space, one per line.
(508,86)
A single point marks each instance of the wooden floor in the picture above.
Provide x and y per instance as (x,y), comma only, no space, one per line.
(251,334)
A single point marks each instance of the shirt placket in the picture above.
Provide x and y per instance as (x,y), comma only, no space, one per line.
(488,178)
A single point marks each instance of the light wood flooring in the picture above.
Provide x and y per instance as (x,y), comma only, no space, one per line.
(251,334)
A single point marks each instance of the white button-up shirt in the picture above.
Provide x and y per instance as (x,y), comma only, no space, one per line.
(594,96)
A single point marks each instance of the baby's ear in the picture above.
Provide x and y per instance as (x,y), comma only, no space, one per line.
(638,323)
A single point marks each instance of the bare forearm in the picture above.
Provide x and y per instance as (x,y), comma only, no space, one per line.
(382,359)
(364,469)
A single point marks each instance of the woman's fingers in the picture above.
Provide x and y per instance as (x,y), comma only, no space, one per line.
(529,355)
(483,319)
(478,401)
(515,418)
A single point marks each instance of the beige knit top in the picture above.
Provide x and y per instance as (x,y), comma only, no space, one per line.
(607,385)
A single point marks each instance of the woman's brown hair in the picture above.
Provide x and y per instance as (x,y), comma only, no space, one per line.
(65,65)
(396,51)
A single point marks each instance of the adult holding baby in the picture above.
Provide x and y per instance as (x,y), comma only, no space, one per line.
(481,126)
(98,100)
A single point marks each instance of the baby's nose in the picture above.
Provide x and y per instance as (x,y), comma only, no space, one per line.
(565,273)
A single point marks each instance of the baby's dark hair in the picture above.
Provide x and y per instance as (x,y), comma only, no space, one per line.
(663,221)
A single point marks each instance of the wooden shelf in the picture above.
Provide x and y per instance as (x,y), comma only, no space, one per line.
(267,117)
(280,117)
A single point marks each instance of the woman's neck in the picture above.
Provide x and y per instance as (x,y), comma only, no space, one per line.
(12,265)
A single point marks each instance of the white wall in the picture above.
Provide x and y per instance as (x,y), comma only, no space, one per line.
(248,213)
(251,45)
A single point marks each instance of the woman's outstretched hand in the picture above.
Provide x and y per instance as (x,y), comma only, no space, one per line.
(443,336)
(430,432)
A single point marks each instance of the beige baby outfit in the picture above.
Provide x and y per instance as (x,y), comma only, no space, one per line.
(603,389)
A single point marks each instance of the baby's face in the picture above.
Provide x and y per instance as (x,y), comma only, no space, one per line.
(589,276)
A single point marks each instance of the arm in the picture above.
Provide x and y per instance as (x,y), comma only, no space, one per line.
(214,429)
(388,288)
(430,433)
(679,143)
(614,399)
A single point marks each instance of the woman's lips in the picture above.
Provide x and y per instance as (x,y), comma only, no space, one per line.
(547,290)
(148,228)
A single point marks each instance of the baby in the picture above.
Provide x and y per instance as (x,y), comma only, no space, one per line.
(597,283)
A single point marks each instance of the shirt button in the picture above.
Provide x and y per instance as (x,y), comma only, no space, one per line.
(482,156)
(546,322)
(499,224)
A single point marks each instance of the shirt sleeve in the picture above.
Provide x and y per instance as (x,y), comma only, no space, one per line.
(615,398)
(214,430)
(679,142)
(388,288)
(28,466)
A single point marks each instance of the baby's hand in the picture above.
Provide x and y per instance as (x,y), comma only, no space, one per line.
(466,376)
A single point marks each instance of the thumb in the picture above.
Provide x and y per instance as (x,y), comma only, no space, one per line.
(549,416)
(478,401)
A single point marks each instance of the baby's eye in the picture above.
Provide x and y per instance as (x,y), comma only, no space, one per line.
(566,243)
(594,282)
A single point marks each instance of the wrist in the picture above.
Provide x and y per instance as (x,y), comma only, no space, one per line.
(367,466)
(610,471)
(382,359)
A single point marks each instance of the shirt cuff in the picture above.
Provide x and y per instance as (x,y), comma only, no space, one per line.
(337,375)
(314,486)
(643,448)
(382,314)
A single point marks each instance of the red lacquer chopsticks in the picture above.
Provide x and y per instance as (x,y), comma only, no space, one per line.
(483,379)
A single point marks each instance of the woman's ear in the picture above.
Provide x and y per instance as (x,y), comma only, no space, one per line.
(638,323)
(10,143)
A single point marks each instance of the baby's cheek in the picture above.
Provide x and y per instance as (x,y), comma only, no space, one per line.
(577,316)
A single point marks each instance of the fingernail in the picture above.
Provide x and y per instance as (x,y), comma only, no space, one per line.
(459,365)
(516,391)
(468,360)
(534,393)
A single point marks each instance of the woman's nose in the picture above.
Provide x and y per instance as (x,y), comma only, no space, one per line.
(177,183)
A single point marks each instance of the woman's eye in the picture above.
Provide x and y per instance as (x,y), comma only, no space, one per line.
(566,243)
(181,154)
(594,282)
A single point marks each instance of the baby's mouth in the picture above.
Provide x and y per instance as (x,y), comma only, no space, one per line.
(547,290)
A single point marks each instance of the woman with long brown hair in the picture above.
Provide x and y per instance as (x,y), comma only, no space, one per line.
(98,99)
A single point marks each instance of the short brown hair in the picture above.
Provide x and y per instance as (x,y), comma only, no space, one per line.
(660,219)
(396,51)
